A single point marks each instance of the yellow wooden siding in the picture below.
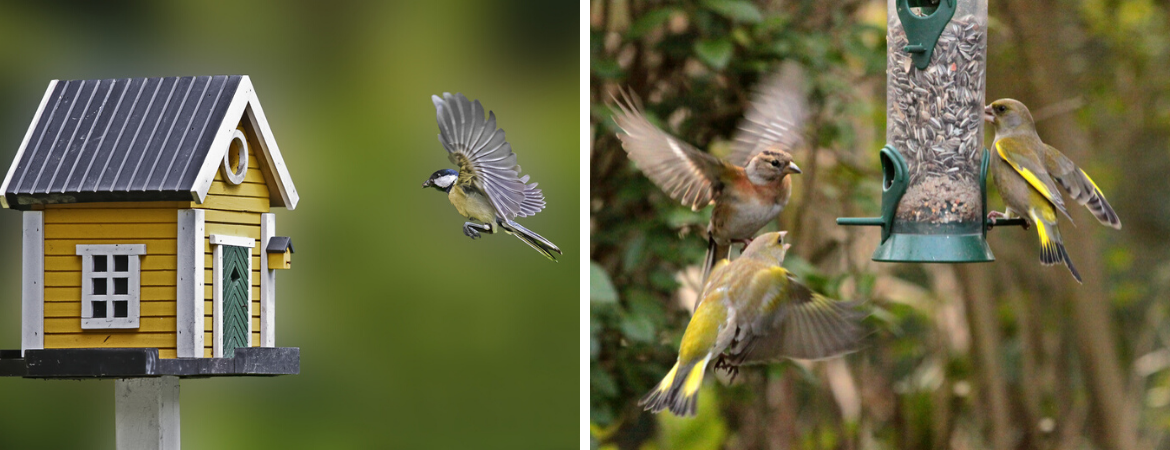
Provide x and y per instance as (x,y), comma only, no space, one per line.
(115,206)
(233,210)
(150,223)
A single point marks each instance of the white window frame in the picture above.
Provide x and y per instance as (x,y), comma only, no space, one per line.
(133,288)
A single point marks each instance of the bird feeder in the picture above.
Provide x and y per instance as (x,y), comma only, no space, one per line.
(934,164)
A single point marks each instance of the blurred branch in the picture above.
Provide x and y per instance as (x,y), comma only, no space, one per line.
(979,303)
(1038,41)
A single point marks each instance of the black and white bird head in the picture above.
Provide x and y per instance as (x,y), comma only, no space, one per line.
(442,179)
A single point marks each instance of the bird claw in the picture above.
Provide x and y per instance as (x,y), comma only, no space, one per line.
(732,370)
(470,231)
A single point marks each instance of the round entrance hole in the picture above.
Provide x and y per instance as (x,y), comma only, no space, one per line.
(235,160)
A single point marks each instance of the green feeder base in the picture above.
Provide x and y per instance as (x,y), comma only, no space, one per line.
(946,244)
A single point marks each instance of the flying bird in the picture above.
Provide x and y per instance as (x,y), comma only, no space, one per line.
(751,187)
(751,312)
(1025,170)
(487,189)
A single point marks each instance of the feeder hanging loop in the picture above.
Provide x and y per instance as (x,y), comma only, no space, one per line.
(922,32)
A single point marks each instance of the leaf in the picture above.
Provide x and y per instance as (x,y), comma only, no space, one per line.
(716,53)
(649,22)
(637,328)
(736,10)
(601,290)
(606,68)
(602,382)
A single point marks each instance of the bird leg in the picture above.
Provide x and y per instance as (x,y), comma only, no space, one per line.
(472,229)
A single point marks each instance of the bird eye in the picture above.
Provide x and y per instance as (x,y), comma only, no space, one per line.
(1001,108)
(775,163)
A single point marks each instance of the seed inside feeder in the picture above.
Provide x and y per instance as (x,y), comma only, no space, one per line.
(935,119)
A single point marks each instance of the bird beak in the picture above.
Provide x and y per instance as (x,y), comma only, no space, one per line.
(427,184)
(987,115)
(792,167)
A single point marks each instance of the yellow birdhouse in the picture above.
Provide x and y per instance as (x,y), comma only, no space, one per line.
(280,250)
(147,206)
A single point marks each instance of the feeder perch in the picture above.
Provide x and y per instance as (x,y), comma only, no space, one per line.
(934,165)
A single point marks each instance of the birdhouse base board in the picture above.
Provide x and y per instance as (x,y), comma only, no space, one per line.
(110,363)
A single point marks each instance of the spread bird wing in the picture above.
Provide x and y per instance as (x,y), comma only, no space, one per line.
(794,322)
(1079,186)
(1015,152)
(484,157)
(688,175)
(775,117)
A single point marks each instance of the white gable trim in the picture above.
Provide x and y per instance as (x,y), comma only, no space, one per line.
(24,143)
(246,104)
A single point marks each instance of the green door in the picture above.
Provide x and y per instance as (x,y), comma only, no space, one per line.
(235,299)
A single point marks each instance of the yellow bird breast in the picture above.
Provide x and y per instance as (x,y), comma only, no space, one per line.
(473,205)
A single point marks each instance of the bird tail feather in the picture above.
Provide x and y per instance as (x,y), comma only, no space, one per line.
(678,392)
(715,253)
(536,241)
(1052,249)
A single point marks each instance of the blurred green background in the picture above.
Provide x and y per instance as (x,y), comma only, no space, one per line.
(411,334)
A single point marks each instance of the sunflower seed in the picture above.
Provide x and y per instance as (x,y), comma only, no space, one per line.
(935,117)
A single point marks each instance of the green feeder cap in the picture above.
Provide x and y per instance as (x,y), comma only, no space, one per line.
(922,32)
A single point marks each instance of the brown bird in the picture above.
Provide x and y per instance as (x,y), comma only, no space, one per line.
(750,188)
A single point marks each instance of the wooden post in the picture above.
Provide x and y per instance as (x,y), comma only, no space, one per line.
(147,413)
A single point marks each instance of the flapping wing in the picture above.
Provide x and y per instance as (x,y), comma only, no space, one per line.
(775,117)
(1028,165)
(685,173)
(1079,186)
(484,157)
(796,323)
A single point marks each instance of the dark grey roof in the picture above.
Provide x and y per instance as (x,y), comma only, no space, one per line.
(278,244)
(133,139)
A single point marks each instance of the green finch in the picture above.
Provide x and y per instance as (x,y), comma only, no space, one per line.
(751,187)
(754,311)
(1024,169)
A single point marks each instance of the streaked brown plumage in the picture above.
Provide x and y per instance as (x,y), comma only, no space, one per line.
(750,188)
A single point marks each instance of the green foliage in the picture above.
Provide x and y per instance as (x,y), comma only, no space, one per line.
(645,241)
(922,380)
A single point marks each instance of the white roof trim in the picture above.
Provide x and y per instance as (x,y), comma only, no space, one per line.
(24,143)
(246,104)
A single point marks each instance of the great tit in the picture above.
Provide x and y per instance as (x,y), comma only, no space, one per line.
(1023,169)
(752,312)
(487,188)
(751,187)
